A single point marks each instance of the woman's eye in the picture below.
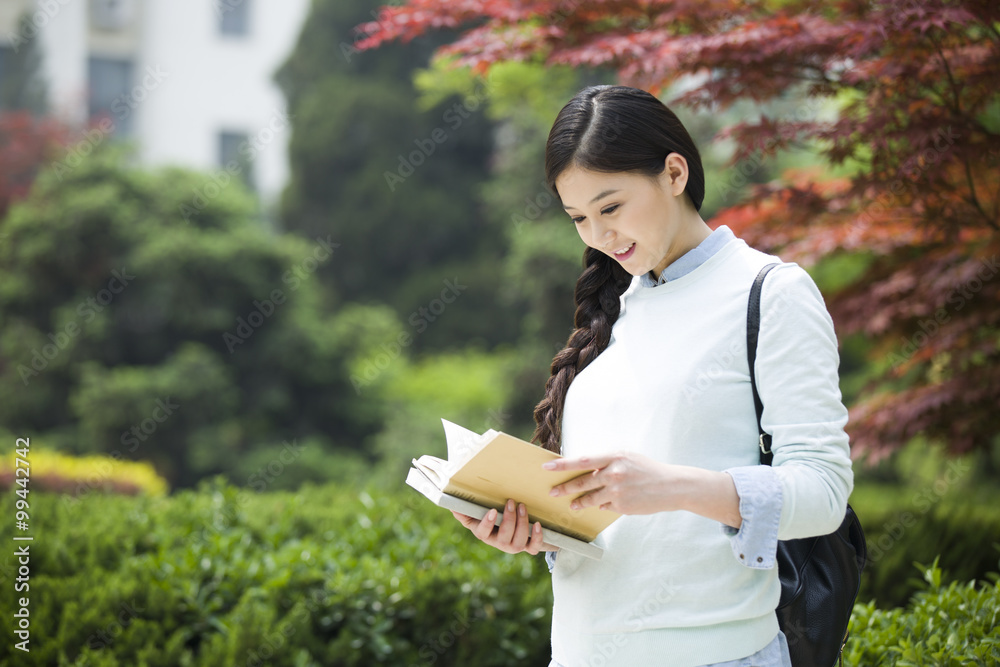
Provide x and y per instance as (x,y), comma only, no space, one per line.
(578,219)
(610,209)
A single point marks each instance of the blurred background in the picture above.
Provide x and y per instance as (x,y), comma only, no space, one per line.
(252,252)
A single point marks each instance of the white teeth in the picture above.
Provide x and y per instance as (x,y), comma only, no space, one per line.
(625,249)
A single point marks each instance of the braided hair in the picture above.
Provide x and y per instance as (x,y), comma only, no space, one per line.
(607,129)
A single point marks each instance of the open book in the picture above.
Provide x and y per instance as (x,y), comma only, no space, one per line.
(483,471)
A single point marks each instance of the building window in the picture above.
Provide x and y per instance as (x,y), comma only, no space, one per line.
(234,17)
(235,156)
(111,14)
(110,83)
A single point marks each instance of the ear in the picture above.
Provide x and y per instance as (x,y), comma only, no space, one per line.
(675,173)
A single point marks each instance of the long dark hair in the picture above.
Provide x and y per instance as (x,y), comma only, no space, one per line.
(608,129)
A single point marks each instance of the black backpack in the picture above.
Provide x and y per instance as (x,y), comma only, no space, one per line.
(820,576)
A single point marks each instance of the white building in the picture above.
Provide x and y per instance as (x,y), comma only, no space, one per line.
(190,81)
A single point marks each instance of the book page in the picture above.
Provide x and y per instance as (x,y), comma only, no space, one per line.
(434,468)
(462,443)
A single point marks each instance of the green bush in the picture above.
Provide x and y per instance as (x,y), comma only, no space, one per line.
(948,625)
(335,575)
(904,526)
(226,576)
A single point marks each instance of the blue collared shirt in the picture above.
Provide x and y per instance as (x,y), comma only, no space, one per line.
(755,543)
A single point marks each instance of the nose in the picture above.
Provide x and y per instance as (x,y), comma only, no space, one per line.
(604,237)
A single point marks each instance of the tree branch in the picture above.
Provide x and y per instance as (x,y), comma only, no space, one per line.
(974,200)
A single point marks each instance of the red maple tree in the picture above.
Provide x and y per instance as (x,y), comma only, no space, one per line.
(26,144)
(919,124)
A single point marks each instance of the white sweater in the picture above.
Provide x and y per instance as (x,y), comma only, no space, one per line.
(674,385)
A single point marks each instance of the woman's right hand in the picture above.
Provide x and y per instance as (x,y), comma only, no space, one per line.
(514,534)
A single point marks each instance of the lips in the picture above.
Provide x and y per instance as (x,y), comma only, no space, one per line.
(624,253)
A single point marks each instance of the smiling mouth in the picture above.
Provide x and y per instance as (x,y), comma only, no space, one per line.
(624,251)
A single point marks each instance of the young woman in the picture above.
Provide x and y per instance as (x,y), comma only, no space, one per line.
(652,396)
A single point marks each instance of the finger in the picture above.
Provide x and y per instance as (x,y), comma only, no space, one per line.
(536,543)
(521,530)
(578,485)
(466,520)
(580,463)
(507,524)
(592,499)
(485,527)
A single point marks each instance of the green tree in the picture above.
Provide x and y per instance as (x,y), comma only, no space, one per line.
(22,86)
(128,329)
(397,184)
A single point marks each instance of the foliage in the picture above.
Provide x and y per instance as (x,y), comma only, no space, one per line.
(394,185)
(913,502)
(78,476)
(26,143)
(903,526)
(954,624)
(339,575)
(134,328)
(22,81)
(325,576)
(471,388)
(919,129)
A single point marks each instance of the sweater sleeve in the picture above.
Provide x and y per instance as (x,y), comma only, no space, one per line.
(798,381)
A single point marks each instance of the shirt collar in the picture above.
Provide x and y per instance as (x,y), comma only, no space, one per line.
(693,258)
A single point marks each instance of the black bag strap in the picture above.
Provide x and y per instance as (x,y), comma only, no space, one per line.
(753,330)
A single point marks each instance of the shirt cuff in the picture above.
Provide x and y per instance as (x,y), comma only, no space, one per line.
(756,542)
(550,559)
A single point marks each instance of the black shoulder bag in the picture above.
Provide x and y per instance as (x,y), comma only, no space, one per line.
(820,576)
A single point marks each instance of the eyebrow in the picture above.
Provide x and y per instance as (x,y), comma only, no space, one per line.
(599,196)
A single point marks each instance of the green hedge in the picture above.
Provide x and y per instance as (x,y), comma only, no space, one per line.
(328,576)
(948,626)
(904,526)
(230,577)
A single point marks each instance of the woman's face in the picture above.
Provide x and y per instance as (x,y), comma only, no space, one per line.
(640,222)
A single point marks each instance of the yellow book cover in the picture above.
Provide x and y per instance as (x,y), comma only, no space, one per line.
(485,470)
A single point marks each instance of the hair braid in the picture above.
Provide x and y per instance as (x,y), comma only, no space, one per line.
(597,294)
(610,129)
